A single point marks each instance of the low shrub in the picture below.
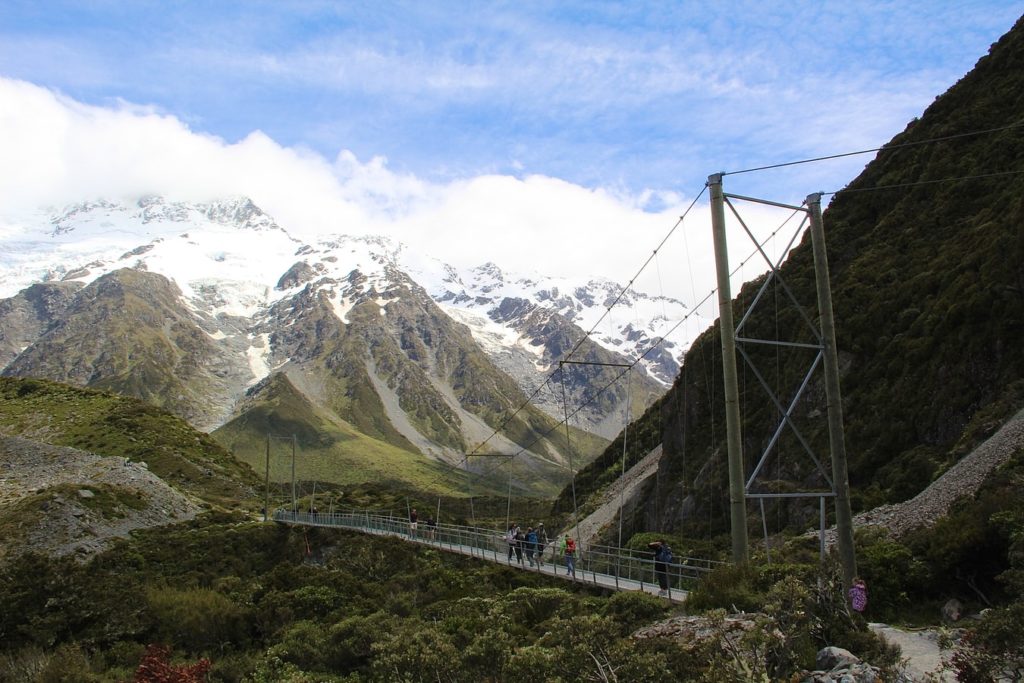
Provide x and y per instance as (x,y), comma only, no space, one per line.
(729,587)
(198,620)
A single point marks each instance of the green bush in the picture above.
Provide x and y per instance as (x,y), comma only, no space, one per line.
(198,620)
(304,644)
(729,587)
(417,651)
(67,664)
(893,574)
(630,610)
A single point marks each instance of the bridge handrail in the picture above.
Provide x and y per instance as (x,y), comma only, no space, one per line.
(618,563)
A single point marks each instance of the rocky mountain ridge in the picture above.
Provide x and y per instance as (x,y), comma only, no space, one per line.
(194,306)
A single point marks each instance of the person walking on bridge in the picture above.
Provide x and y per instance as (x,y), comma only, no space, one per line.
(520,542)
(662,559)
(542,542)
(531,544)
(413,518)
(510,538)
(569,548)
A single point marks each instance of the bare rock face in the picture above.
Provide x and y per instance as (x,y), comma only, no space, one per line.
(695,631)
(836,665)
(28,315)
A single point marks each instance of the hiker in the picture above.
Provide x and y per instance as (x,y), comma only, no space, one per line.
(431,528)
(542,541)
(520,540)
(858,595)
(531,544)
(510,538)
(662,559)
(569,549)
(413,517)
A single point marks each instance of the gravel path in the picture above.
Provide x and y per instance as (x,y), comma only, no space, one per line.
(920,650)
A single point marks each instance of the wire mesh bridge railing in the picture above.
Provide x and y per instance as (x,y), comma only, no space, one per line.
(613,568)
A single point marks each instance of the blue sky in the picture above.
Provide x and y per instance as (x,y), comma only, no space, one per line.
(625,95)
(628,104)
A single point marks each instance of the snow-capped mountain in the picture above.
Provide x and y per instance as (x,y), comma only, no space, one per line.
(226,305)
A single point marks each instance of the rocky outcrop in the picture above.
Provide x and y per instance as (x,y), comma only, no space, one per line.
(26,316)
(834,664)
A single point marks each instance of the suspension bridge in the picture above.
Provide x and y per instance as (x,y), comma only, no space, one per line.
(623,569)
(615,569)
(620,568)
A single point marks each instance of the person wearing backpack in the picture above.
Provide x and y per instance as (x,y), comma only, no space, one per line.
(510,538)
(520,540)
(531,544)
(542,542)
(662,559)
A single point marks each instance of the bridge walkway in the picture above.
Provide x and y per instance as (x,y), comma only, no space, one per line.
(618,569)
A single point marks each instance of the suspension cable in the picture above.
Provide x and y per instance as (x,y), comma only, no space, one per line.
(878,149)
(924,182)
(654,346)
(587,335)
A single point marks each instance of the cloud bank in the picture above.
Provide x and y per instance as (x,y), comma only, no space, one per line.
(59,151)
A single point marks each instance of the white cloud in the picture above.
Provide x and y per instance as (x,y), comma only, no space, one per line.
(59,151)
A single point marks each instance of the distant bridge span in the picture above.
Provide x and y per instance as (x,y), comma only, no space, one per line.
(617,569)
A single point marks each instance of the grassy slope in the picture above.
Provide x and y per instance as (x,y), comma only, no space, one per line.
(328,449)
(113,425)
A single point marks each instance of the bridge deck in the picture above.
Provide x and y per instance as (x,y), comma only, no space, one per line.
(610,568)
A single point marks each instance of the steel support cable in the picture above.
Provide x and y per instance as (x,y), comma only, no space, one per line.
(639,358)
(603,315)
(877,149)
(638,273)
(654,346)
(924,182)
(758,248)
(511,417)
(625,434)
(568,447)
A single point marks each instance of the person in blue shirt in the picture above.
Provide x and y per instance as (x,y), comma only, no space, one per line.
(531,544)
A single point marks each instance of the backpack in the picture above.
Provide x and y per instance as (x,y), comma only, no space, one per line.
(570,547)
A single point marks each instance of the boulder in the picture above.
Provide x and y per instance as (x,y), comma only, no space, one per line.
(952,610)
(830,658)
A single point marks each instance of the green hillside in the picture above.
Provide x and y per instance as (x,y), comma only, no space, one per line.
(333,451)
(115,425)
(329,450)
(928,290)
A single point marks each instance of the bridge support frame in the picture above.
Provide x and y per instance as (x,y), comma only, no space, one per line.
(827,355)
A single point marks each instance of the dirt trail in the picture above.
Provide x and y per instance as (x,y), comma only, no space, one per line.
(920,650)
